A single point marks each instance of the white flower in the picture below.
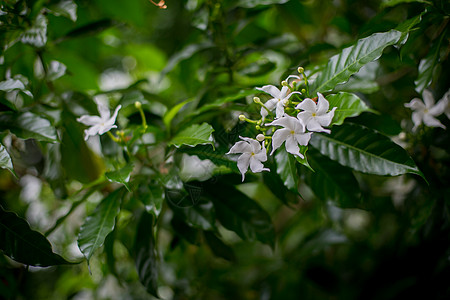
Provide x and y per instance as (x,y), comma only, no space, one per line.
(99,125)
(253,154)
(426,111)
(293,133)
(315,116)
(279,100)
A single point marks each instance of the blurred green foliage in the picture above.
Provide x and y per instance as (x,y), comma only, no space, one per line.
(146,224)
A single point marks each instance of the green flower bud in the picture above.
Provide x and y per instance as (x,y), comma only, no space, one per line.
(300,70)
(242,117)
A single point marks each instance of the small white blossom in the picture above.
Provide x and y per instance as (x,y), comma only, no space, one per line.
(293,134)
(102,124)
(426,111)
(316,116)
(253,154)
(279,100)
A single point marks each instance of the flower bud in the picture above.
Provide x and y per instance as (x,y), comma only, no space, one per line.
(284,83)
(138,104)
(242,117)
(300,70)
(260,137)
(303,91)
(256,100)
(258,127)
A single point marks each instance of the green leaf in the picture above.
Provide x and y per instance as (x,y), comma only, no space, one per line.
(185,53)
(239,213)
(407,26)
(152,196)
(99,224)
(21,243)
(427,66)
(193,135)
(218,247)
(28,125)
(121,176)
(332,182)
(145,253)
(255,3)
(287,169)
(5,160)
(364,150)
(221,101)
(341,66)
(390,3)
(303,161)
(348,105)
(170,114)
(200,214)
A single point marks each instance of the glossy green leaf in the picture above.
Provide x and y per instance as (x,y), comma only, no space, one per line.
(28,125)
(5,160)
(239,213)
(390,3)
(121,176)
(348,105)
(99,224)
(218,247)
(229,98)
(200,214)
(341,66)
(24,245)
(170,114)
(287,169)
(193,135)
(407,26)
(185,53)
(364,150)
(255,3)
(304,160)
(427,67)
(152,196)
(331,182)
(145,254)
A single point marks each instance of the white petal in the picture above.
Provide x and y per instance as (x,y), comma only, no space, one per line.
(286,121)
(293,93)
(417,118)
(240,147)
(325,120)
(322,104)
(270,104)
(313,125)
(110,122)
(292,146)
(439,108)
(283,93)
(428,98)
(256,165)
(261,155)
(93,130)
(431,121)
(271,90)
(103,110)
(292,76)
(279,136)
(104,129)
(90,120)
(304,117)
(255,146)
(415,104)
(242,164)
(280,110)
(303,138)
(307,105)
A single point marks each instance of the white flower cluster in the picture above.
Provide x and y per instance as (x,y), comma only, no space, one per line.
(426,111)
(291,123)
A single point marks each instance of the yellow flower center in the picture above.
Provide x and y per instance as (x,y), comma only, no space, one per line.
(313,114)
(292,132)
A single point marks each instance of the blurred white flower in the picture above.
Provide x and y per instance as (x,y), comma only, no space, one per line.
(193,168)
(293,134)
(102,124)
(315,116)
(253,154)
(426,112)
(279,100)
